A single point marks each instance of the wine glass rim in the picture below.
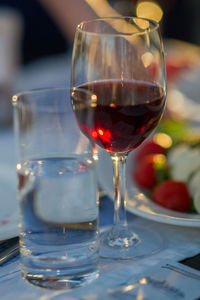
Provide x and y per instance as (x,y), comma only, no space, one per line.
(154,26)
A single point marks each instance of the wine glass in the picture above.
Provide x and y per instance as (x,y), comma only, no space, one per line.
(121,61)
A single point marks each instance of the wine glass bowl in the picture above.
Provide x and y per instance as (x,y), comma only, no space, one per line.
(122,124)
(120,60)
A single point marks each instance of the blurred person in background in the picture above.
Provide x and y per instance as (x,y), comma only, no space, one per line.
(46,28)
(49,24)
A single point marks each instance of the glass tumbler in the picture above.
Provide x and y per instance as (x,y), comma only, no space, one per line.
(57,191)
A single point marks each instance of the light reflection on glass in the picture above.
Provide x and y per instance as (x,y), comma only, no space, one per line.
(147,59)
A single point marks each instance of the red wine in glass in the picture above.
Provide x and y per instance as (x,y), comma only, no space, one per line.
(121,61)
(122,113)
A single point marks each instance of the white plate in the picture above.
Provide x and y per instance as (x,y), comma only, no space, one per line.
(187,92)
(8,186)
(8,203)
(183,93)
(137,202)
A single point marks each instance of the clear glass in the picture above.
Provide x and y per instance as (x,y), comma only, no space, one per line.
(58,221)
(121,61)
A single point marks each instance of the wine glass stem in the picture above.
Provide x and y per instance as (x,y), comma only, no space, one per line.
(119,180)
(120,235)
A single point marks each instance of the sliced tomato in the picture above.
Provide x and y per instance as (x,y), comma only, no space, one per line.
(144,173)
(150,171)
(147,148)
(175,70)
(172,194)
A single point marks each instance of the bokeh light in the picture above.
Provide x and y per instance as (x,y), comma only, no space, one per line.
(150,10)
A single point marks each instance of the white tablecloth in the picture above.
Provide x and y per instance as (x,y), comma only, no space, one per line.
(180,242)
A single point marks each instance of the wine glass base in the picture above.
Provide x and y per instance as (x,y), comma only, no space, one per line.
(144,242)
(60,282)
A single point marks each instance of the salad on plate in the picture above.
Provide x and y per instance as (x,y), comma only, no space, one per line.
(167,167)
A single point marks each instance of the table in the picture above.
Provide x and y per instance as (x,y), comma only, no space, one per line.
(179,242)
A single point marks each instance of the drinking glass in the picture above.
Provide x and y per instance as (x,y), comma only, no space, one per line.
(121,61)
(57,195)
